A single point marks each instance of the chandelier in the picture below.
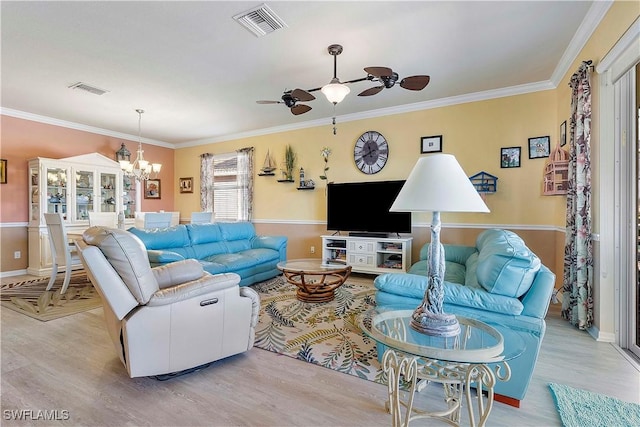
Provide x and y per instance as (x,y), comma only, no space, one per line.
(140,169)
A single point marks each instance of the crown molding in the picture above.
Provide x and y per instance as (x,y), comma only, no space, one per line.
(596,12)
(407,108)
(77,126)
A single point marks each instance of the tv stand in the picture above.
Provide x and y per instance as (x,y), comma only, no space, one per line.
(374,255)
(366,234)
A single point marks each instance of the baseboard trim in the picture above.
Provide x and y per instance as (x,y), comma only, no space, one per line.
(12,273)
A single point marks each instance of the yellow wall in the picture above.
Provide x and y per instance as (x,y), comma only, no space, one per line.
(474,132)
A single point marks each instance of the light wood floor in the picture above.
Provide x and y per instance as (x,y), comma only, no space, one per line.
(70,364)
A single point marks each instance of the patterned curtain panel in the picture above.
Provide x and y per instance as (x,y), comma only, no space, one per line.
(245,183)
(206,182)
(577,301)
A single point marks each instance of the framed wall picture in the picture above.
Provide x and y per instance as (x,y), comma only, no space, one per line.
(510,157)
(563,133)
(3,171)
(152,189)
(186,185)
(539,147)
(431,144)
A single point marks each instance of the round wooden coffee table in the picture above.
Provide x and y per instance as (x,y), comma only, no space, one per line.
(316,282)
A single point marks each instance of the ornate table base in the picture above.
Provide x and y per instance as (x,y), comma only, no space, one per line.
(314,286)
(456,379)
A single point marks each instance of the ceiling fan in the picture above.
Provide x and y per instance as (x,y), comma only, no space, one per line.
(335,90)
(291,98)
(388,78)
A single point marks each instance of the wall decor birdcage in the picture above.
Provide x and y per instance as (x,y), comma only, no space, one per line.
(556,173)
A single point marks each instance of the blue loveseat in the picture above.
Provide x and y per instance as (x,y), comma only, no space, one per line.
(223,247)
(499,280)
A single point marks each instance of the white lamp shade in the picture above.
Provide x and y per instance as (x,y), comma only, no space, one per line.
(335,91)
(438,183)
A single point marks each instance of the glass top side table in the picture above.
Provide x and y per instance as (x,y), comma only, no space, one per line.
(459,363)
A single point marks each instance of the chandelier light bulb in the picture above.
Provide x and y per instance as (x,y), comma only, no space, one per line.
(140,169)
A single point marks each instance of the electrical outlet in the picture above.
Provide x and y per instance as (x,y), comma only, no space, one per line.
(17,255)
(312,249)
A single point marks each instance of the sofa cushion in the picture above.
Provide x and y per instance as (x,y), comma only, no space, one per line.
(414,286)
(453,272)
(163,238)
(204,233)
(234,262)
(505,265)
(237,230)
(163,257)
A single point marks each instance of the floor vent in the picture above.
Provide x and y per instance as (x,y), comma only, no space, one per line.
(260,20)
(92,89)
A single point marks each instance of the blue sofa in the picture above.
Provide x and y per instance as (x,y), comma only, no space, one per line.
(499,280)
(222,247)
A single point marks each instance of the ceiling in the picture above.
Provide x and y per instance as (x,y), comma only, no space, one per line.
(197,73)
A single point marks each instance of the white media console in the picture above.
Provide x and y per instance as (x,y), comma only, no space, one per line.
(375,255)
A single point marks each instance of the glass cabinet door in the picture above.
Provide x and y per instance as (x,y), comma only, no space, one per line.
(57,191)
(34,201)
(129,197)
(108,192)
(84,194)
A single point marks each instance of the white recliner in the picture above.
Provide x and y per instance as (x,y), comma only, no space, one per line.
(168,319)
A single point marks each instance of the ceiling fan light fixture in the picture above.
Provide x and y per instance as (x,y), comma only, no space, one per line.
(335,91)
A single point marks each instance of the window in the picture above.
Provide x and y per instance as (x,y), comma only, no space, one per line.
(227,185)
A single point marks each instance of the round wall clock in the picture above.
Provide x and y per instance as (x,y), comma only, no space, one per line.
(371,152)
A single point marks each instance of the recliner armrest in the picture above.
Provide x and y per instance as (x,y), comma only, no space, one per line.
(178,272)
(206,284)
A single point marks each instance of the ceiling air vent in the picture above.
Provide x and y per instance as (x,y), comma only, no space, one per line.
(92,89)
(260,20)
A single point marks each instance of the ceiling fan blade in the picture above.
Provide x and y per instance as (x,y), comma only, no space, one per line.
(415,82)
(268,102)
(302,95)
(371,91)
(379,71)
(300,109)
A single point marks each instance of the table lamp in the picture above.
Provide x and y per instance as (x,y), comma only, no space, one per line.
(437,184)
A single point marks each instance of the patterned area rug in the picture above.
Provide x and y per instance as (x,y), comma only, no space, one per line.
(326,334)
(31,298)
(579,408)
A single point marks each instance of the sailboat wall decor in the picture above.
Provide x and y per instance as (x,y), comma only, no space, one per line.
(269,166)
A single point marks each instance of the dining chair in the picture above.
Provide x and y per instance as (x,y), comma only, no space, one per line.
(62,253)
(157,219)
(104,219)
(201,217)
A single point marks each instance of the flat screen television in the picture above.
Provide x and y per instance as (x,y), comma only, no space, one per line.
(363,207)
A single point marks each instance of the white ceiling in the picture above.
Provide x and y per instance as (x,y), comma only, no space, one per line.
(197,73)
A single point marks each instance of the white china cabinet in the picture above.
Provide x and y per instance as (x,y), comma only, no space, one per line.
(73,186)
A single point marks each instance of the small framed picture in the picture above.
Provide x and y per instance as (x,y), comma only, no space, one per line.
(510,157)
(539,147)
(563,133)
(431,144)
(3,171)
(186,185)
(152,189)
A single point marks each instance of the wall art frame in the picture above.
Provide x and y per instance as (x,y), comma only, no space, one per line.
(186,185)
(431,144)
(510,157)
(539,147)
(3,171)
(563,134)
(152,189)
